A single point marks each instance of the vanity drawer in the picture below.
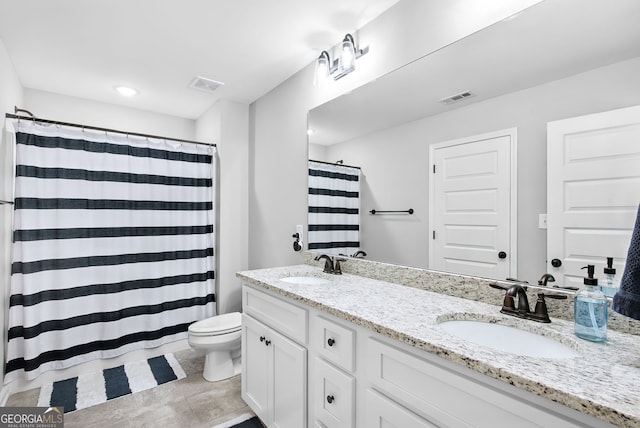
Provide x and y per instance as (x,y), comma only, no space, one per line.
(334,396)
(278,314)
(435,392)
(384,413)
(335,342)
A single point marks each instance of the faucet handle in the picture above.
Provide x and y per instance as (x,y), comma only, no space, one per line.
(554,296)
(541,311)
(336,266)
(565,288)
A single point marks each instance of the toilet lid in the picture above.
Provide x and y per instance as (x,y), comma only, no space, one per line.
(218,324)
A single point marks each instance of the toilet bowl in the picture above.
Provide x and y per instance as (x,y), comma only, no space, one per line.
(219,337)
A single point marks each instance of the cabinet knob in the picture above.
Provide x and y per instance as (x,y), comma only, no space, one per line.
(330,399)
(267,342)
(262,338)
(556,263)
(331,342)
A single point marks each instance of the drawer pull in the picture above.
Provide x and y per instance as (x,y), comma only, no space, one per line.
(330,399)
(331,342)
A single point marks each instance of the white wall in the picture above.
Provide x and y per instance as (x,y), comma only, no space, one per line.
(227,124)
(395,162)
(10,95)
(48,105)
(278,146)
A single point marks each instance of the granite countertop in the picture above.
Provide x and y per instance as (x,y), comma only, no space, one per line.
(604,381)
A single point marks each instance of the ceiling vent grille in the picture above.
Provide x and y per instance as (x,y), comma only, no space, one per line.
(204,84)
(457,97)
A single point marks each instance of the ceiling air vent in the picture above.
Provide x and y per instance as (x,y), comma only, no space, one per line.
(457,97)
(204,84)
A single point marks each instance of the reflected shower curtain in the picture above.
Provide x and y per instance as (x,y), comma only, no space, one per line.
(113,246)
(334,208)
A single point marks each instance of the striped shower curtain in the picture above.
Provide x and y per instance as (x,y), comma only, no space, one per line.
(334,208)
(113,246)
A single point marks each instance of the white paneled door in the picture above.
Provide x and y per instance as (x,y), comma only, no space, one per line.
(472,205)
(593,191)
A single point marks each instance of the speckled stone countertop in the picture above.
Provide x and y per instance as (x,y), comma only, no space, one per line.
(603,382)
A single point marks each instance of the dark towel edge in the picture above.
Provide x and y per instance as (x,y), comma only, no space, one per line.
(627,304)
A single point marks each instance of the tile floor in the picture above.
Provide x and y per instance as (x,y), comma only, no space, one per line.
(191,402)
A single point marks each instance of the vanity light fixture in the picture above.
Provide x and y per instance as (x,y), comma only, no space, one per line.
(343,65)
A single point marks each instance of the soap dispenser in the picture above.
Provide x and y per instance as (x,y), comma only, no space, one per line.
(590,310)
(609,286)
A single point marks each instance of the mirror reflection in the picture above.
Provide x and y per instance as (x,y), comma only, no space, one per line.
(543,65)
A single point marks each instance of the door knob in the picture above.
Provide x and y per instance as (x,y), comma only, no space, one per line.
(556,262)
(502,255)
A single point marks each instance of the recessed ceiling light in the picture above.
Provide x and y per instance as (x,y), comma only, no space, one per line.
(126,91)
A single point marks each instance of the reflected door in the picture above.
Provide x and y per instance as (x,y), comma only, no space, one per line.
(472,206)
(593,191)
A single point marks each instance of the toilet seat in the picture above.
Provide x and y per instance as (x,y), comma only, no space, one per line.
(217,325)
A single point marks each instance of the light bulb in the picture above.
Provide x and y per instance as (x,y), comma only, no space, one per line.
(322,69)
(348,55)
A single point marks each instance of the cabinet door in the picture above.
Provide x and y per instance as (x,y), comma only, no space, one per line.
(255,366)
(384,413)
(289,382)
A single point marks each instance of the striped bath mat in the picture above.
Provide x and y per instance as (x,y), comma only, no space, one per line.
(94,388)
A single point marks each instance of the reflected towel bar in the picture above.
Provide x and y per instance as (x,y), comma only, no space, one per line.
(3,202)
(409,211)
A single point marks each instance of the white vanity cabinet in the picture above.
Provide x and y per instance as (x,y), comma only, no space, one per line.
(274,366)
(358,378)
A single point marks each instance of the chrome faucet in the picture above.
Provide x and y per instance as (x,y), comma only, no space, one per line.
(547,277)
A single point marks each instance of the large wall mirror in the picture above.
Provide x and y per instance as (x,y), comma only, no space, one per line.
(556,60)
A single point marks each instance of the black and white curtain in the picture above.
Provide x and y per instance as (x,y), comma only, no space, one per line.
(113,245)
(334,208)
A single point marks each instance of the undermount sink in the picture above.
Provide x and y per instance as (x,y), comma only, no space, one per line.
(508,339)
(308,280)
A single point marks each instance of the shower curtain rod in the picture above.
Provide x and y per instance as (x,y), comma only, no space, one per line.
(95,128)
(334,163)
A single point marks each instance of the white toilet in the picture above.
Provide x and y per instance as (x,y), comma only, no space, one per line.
(219,337)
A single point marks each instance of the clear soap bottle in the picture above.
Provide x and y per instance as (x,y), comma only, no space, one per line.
(590,310)
(609,286)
